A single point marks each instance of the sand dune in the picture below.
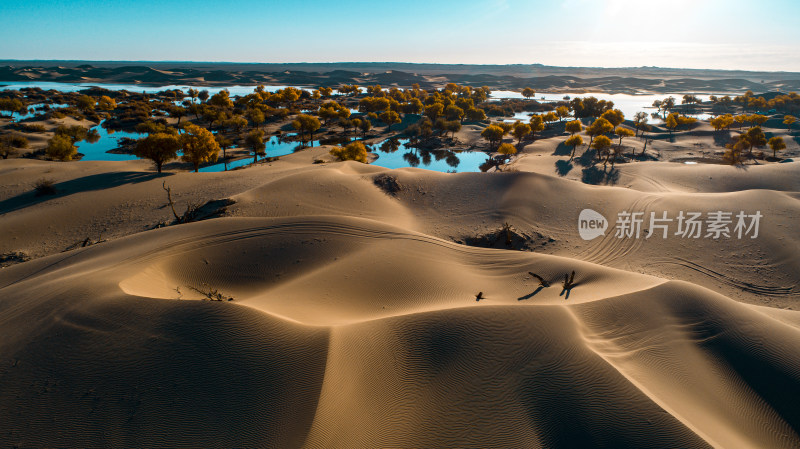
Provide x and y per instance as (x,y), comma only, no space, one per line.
(354,321)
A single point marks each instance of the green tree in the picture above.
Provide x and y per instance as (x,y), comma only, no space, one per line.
(776,144)
(61,148)
(574,142)
(159,148)
(198,146)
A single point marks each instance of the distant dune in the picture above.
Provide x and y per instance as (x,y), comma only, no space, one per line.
(553,79)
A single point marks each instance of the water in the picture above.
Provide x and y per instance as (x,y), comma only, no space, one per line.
(108,141)
(75,87)
(275,147)
(33,110)
(438,160)
(627,103)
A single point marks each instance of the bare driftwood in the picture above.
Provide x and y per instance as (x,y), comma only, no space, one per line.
(542,282)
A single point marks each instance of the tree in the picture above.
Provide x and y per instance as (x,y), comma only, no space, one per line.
(536,123)
(159,148)
(776,144)
(177,111)
(198,146)
(494,134)
(61,148)
(599,127)
(306,124)
(639,117)
(573,127)
(453,126)
(255,142)
(364,126)
(574,142)
(602,144)
(562,112)
(224,143)
(256,116)
(614,116)
(355,151)
(390,118)
(506,149)
(85,103)
(475,114)
(758,119)
(788,120)
(520,131)
(433,111)
(106,103)
(453,112)
(671,123)
(192,93)
(622,133)
(755,138)
(221,99)
(528,92)
(11,105)
(203,95)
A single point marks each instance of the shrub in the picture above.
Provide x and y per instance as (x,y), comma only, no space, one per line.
(355,151)
(45,186)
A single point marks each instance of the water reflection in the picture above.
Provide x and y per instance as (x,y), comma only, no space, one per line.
(398,153)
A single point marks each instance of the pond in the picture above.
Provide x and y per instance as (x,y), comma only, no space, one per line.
(394,153)
(34,109)
(108,140)
(276,146)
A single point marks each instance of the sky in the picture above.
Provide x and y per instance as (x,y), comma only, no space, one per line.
(703,34)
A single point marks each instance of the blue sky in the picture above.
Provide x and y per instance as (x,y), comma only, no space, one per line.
(732,34)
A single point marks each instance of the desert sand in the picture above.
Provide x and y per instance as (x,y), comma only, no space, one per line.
(354,321)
